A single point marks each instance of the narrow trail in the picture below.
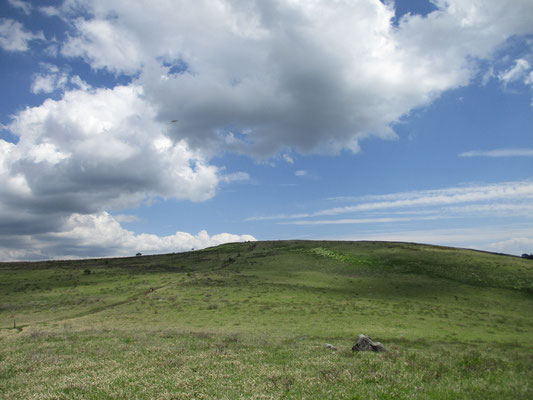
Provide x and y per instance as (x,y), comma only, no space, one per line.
(91,311)
(130,299)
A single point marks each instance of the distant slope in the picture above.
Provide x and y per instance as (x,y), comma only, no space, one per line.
(466,266)
(260,281)
(367,257)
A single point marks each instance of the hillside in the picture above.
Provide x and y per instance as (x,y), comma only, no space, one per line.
(251,319)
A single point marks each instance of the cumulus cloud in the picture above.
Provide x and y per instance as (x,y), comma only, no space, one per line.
(13,36)
(101,139)
(102,235)
(120,218)
(95,150)
(90,151)
(259,77)
(46,83)
(101,231)
(51,79)
(104,45)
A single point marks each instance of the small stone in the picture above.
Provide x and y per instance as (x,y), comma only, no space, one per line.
(364,343)
(379,347)
(330,346)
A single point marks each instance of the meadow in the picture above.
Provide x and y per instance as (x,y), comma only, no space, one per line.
(251,320)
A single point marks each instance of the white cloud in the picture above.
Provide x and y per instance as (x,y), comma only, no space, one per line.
(277,216)
(509,239)
(43,84)
(515,245)
(493,210)
(50,11)
(236,177)
(288,158)
(79,83)
(302,173)
(356,221)
(120,218)
(21,5)
(493,217)
(100,235)
(50,80)
(498,153)
(521,72)
(90,151)
(263,77)
(101,230)
(13,36)
(505,198)
(517,72)
(529,79)
(430,198)
(487,76)
(104,45)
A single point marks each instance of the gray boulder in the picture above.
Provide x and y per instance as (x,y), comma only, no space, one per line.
(364,343)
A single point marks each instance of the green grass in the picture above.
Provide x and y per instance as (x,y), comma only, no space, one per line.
(250,320)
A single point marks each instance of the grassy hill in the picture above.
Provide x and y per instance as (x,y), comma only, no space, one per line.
(250,320)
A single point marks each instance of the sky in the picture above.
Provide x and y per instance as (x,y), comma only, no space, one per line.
(170,125)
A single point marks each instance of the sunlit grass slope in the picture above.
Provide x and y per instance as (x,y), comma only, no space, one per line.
(250,320)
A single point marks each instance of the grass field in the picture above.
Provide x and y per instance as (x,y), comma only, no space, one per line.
(250,320)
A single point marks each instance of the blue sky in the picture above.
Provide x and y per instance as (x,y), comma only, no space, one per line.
(349,120)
